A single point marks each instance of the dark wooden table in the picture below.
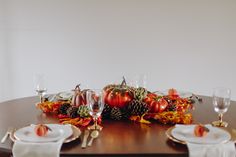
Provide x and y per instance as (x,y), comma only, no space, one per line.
(118,138)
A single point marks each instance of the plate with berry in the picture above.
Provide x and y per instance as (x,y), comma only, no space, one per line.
(199,134)
(43,133)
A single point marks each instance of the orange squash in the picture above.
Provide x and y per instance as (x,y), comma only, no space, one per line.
(118,95)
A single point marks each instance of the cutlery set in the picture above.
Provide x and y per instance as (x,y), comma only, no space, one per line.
(94,134)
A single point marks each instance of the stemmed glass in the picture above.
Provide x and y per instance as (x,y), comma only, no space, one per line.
(138,81)
(40,86)
(221,102)
(95,102)
(142,81)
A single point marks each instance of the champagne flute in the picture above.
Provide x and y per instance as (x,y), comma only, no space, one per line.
(221,102)
(95,102)
(40,86)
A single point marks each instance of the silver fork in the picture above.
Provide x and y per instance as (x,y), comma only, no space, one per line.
(9,131)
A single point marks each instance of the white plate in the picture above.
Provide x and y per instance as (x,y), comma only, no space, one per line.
(65,95)
(214,136)
(51,97)
(182,94)
(58,132)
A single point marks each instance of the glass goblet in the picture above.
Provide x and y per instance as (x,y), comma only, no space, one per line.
(221,102)
(138,81)
(40,86)
(95,102)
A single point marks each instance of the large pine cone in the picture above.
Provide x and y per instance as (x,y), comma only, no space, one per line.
(63,108)
(106,111)
(116,113)
(72,112)
(137,108)
(125,112)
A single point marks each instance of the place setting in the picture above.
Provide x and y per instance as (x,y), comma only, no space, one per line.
(36,138)
(210,139)
(41,133)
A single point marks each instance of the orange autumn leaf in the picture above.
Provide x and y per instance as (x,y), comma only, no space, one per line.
(140,119)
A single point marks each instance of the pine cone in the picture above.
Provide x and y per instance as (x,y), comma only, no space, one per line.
(125,112)
(83,111)
(72,112)
(140,93)
(106,111)
(171,104)
(137,107)
(63,108)
(116,113)
(171,107)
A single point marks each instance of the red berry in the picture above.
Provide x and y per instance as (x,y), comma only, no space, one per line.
(200,130)
(41,130)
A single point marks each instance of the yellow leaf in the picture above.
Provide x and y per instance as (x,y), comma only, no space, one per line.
(144,121)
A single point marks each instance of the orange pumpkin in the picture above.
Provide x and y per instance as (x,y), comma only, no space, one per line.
(118,95)
(156,104)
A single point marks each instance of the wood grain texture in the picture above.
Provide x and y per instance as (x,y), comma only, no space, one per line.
(118,138)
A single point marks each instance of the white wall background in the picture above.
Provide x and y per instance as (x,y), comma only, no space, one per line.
(4,70)
(185,44)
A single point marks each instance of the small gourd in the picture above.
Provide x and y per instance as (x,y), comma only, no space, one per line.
(79,97)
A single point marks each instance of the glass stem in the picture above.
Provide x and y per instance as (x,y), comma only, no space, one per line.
(96,123)
(41,98)
(221,118)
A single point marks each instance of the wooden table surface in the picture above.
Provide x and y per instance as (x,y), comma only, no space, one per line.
(117,137)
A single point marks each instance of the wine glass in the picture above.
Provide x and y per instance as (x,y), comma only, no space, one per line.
(139,81)
(95,102)
(40,86)
(221,102)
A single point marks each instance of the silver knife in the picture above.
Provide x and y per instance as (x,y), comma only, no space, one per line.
(9,131)
(84,142)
